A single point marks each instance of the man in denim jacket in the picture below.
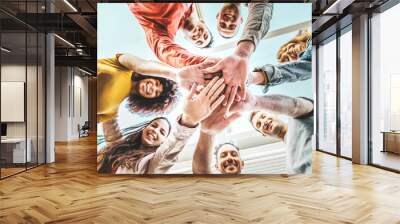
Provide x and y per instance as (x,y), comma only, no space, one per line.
(271,75)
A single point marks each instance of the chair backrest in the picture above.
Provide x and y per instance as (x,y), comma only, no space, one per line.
(86,125)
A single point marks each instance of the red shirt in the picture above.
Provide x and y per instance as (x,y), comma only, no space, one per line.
(160,22)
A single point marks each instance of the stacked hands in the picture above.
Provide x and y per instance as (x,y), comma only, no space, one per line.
(217,90)
(200,104)
(224,81)
(205,106)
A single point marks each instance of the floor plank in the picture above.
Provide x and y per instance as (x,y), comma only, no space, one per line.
(70,191)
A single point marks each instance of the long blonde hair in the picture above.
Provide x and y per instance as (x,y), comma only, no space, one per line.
(302,37)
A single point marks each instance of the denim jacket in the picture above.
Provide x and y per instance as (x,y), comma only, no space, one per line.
(290,71)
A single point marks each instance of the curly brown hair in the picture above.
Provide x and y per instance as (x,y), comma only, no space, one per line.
(159,105)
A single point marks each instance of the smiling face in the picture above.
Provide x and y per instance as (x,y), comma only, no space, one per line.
(292,51)
(150,88)
(155,133)
(229,20)
(228,160)
(267,124)
(198,34)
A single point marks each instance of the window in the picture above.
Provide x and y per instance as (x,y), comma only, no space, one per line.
(22,72)
(346,93)
(327,96)
(385,89)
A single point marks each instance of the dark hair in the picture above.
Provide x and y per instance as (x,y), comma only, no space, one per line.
(159,105)
(251,118)
(236,29)
(218,147)
(252,115)
(125,152)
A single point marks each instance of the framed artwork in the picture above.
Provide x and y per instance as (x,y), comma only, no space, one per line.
(204,88)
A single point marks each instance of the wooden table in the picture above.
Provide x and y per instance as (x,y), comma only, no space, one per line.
(391,141)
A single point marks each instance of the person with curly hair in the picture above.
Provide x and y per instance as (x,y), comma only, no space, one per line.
(150,86)
(152,147)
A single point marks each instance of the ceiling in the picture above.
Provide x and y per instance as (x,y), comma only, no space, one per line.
(332,15)
(74,22)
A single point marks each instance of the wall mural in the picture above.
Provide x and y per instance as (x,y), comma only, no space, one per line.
(204,88)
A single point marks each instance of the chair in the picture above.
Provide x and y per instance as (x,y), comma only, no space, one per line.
(84,130)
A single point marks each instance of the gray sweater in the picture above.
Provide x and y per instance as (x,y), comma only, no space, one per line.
(257,24)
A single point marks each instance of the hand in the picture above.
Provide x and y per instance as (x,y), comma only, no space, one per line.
(189,75)
(210,61)
(193,74)
(248,104)
(234,69)
(198,107)
(259,78)
(217,121)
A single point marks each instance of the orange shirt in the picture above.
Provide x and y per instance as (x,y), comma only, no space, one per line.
(160,22)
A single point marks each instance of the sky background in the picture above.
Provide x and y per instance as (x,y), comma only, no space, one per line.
(119,32)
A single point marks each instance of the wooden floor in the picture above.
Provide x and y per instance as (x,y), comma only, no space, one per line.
(10,171)
(387,159)
(70,191)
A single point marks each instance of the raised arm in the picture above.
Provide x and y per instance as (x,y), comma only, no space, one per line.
(257,24)
(202,156)
(185,77)
(162,43)
(169,52)
(286,105)
(271,75)
(111,130)
(167,154)
(235,67)
(196,108)
(147,67)
(292,107)
(210,127)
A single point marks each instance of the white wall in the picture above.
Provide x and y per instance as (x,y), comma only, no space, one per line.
(80,95)
(61,105)
(71,103)
(14,73)
(33,126)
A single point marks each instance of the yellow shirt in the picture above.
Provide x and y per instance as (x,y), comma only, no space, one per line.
(113,86)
